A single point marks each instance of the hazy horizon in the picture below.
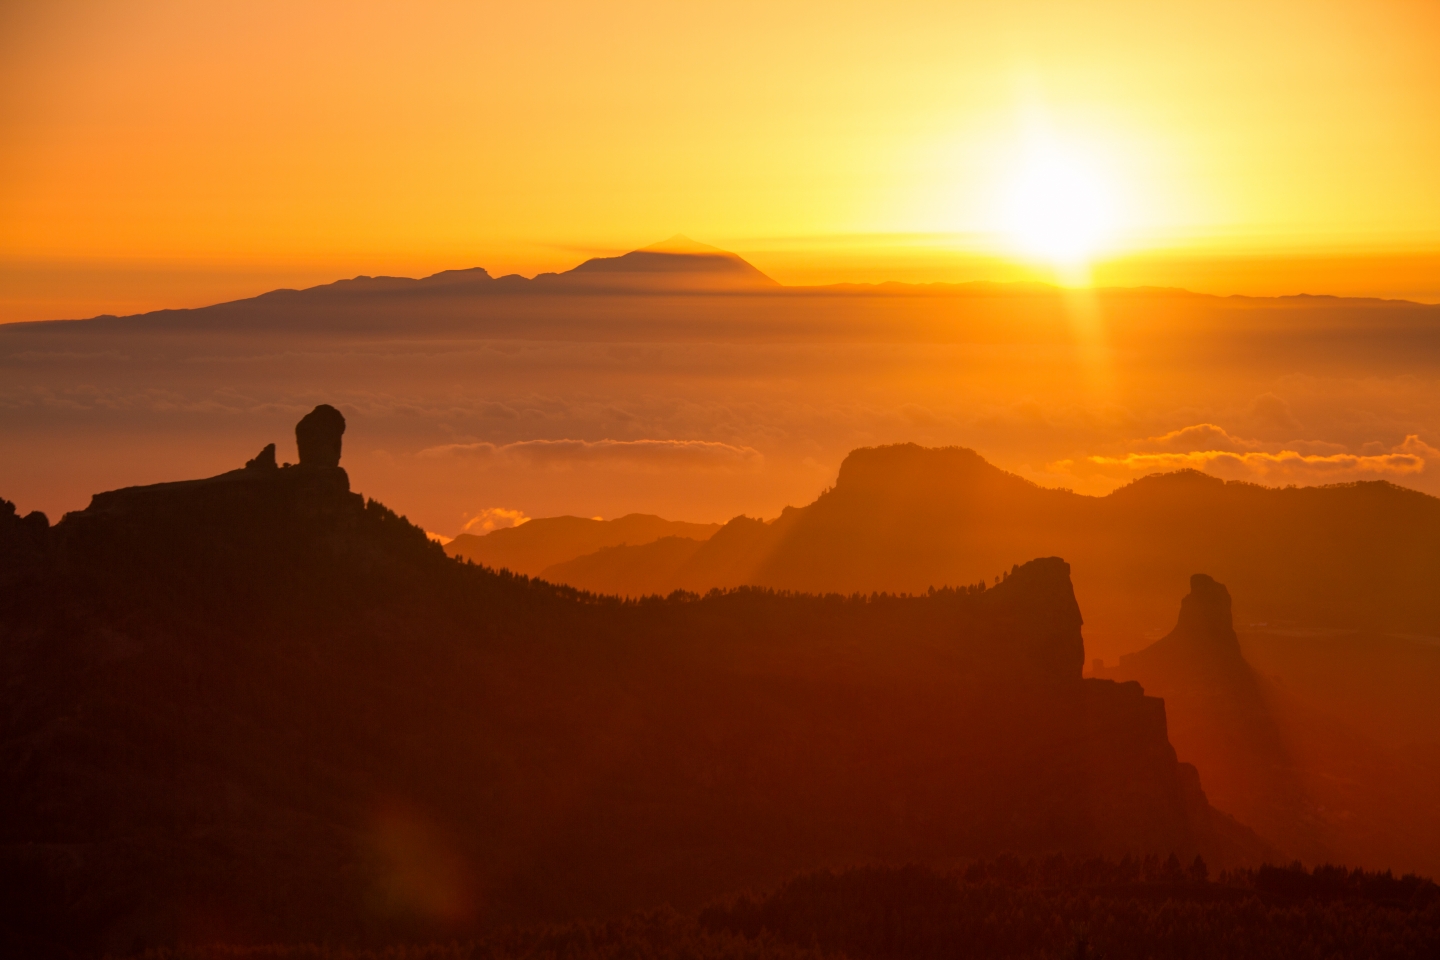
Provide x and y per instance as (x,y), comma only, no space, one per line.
(164,155)
(701,406)
(64,290)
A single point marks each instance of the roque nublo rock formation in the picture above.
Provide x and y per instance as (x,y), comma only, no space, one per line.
(258,707)
(317,437)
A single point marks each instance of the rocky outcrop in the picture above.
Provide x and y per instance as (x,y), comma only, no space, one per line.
(1300,771)
(265,459)
(1223,720)
(317,436)
(257,707)
(1203,644)
(1206,612)
(17,529)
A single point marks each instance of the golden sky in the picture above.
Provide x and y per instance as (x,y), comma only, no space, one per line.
(160,153)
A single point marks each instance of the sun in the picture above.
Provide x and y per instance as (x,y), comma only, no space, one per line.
(1057,208)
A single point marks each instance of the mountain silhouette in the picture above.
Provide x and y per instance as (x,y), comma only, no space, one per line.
(1335,761)
(905,517)
(1203,644)
(681,291)
(1301,770)
(673,265)
(676,263)
(1223,719)
(258,707)
(535,545)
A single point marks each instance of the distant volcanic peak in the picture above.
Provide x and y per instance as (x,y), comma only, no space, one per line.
(678,261)
(367,284)
(654,261)
(447,278)
(683,244)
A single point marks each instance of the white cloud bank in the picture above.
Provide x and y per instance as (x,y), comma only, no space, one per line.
(1211,449)
(493,518)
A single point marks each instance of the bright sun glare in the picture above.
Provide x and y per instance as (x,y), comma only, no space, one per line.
(1057,208)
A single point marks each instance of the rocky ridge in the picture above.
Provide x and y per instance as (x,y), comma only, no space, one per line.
(259,707)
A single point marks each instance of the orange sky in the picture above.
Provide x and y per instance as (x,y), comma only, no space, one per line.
(173,153)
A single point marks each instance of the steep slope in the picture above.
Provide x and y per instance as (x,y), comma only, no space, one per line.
(903,518)
(538,544)
(1316,776)
(327,730)
(1223,719)
(622,571)
(659,568)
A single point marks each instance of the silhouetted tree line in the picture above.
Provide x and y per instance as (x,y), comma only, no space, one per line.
(1054,908)
(1067,907)
(651,935)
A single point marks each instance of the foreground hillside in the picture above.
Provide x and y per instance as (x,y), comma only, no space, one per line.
(1073,909)
(258,707)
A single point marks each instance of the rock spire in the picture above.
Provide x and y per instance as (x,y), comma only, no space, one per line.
(317,436)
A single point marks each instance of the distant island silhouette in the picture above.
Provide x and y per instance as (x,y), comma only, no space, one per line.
(677,262)
(681,267)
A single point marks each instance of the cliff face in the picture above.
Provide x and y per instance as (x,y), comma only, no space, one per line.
(257,707)
(1222,719)
(1301,772)
(1203,644)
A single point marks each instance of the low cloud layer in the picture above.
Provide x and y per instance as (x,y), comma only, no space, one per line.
(493,518)
(653,454)
(1211,449)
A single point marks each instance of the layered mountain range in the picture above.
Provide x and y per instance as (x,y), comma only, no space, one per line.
(258,707)
(779,382)
(536,545)
(1330,749)
(904,518)
(680,290)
